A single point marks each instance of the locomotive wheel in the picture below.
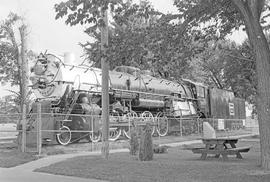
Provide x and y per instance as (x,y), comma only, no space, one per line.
(115,133)
(130,117)
(95,137)
(148,117)
(162,124)
(64,136)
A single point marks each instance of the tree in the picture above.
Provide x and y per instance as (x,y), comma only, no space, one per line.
(145,38)
(226,15)
(240,71)
(95,14)
(8,68)
(13,51)
(251,14)
(222,64)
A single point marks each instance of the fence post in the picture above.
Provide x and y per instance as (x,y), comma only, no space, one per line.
(92,130)
(158,124)
(23,143)
(181,127)
(39,124)
(198,124)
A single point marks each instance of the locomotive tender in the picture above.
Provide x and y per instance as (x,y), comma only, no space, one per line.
(64,88)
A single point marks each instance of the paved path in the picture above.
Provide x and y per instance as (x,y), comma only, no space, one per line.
(24,172)
(13,175)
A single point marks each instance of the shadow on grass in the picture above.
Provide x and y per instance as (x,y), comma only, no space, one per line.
(176,165)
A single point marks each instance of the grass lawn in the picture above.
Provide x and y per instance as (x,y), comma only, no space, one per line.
(177,165)
(11,157)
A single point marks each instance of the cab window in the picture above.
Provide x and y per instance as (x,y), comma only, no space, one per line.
(200,91)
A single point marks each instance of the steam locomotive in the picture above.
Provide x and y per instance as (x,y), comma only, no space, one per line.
(74,93)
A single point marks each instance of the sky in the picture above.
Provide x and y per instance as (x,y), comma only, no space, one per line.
(46,33)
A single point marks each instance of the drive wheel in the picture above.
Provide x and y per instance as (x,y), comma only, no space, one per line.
(148,117)
(64,136)
(162,124)
(115,133)
(130,117)
(95,136)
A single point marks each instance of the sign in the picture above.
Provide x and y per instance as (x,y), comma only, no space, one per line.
(221,125)
(231,108)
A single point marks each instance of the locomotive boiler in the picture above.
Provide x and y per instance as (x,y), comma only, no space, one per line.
(74,91)
(136,90)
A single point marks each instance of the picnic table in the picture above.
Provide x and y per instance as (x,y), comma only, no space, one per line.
(221,147)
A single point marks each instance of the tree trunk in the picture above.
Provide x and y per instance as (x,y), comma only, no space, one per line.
(263,93)
(251,12)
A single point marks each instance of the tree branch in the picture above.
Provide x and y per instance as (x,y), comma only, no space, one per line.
(242,58)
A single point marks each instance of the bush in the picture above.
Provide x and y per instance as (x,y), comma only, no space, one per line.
(146,144)
(134,142)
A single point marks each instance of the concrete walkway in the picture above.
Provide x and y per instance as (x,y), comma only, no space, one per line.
(13,175)
(25,172)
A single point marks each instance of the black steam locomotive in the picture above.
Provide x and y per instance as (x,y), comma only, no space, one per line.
(72,94)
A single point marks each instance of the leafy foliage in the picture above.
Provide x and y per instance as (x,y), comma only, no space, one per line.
(9,50)
(224,65)
(240,71)
(190,44)
(218,16)
(221,63)
(7,106)
(86,11)
(8,66)
(138,36)
(145,39)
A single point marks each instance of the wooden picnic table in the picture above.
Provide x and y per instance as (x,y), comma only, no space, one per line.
(221,146)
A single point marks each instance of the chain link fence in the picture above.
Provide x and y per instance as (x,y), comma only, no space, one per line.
(8,125)
(40,128)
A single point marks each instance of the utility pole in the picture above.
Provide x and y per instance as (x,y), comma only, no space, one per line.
(105,86)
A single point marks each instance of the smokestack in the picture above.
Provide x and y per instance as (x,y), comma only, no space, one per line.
(69,58)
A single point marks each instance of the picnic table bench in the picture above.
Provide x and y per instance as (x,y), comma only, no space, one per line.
(220,146)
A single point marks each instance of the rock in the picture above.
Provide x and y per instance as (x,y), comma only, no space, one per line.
(160,149)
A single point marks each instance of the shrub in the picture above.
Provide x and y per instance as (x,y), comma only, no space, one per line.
(146,144)
(134,142)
